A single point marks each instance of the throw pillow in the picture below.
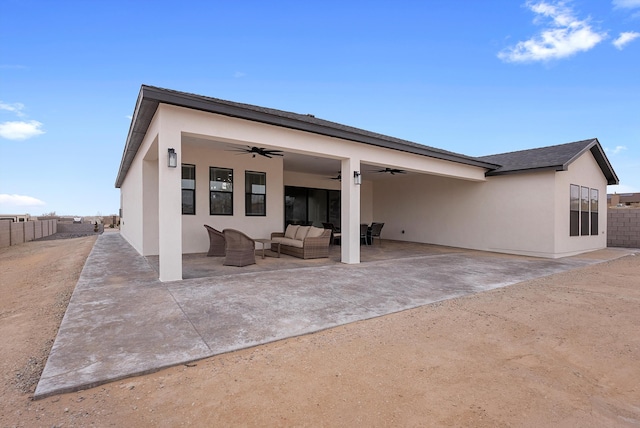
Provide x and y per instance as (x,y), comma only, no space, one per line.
(302,233)
(315,232)
(291,231)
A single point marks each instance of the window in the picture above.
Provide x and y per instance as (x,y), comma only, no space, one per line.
(574,219)
(220,191)
(310,206)
(583,211)
(255,193)
(188,189)
(594,211)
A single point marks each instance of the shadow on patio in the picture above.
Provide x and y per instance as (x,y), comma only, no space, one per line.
(200,266)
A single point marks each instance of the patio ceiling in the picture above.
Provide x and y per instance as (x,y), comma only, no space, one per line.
(296,162)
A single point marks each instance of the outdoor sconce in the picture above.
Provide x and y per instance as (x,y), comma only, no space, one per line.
(173,158)
(357,177)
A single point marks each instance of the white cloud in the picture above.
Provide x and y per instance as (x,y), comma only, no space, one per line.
(615,151)
(564,36)
(626,4)
(20,200)
(20,130)
(239,74)
(625,38)
(15,108)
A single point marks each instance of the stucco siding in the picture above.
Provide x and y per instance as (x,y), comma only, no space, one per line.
(194,236)
(132,223)
(495,216)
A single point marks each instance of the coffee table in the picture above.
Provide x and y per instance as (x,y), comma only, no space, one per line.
(264,242)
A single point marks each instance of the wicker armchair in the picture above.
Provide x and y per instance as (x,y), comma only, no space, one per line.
(216,242)
(240,250)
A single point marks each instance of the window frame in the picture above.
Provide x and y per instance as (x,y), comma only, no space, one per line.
(192,191)
(593,203)
(574,210)
(228,200)
(250,194)
(584,211)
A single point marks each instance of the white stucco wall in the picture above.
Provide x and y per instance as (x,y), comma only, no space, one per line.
(133,220)
(526,213)
(194,236)
(505,214)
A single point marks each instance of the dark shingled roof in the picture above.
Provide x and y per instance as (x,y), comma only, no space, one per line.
(555,158)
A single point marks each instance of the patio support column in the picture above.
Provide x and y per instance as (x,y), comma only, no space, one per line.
(169,203)
(350,213)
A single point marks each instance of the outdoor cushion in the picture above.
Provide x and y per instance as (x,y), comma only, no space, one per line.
(291,231)
(290,242)
(302,232)
(315,232)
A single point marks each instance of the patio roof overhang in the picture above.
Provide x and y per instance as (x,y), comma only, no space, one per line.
(150,97)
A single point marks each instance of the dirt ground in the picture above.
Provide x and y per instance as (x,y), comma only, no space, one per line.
(558,351)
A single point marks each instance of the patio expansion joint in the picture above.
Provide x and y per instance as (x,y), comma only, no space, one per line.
(189,320)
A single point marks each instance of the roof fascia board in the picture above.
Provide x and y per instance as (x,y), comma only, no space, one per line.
(601,159)
(554,168)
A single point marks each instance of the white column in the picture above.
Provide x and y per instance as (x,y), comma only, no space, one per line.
(169,204)
(350,213)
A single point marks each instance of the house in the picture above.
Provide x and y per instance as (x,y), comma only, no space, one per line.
(191,160)
(623,200)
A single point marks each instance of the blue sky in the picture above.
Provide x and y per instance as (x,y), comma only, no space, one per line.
(474,77)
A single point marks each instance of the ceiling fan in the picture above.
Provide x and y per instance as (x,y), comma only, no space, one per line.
(337,177)
(267,153)
(392,171)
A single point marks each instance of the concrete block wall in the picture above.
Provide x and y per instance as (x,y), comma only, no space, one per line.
(37,229)
(14,233)
(623,227)
(79,228)
(5,233)
(17,233)
(29,231)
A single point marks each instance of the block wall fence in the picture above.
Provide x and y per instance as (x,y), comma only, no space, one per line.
(14,233)
(623,227)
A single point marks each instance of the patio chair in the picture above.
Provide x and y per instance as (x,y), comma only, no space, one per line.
(216,242)
(240,250)
(335,235)
(364,229)
(376,228)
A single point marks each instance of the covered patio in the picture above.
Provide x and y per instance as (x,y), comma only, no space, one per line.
(123,321)
(200,266)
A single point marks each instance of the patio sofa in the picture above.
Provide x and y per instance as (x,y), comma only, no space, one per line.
(305,242)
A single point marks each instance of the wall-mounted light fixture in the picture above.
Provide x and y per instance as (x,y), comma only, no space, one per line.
(357,177)
(173,158)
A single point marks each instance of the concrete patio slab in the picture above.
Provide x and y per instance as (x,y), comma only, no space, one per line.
(121,321)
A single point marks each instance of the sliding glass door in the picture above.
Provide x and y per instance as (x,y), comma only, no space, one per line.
(308,206)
